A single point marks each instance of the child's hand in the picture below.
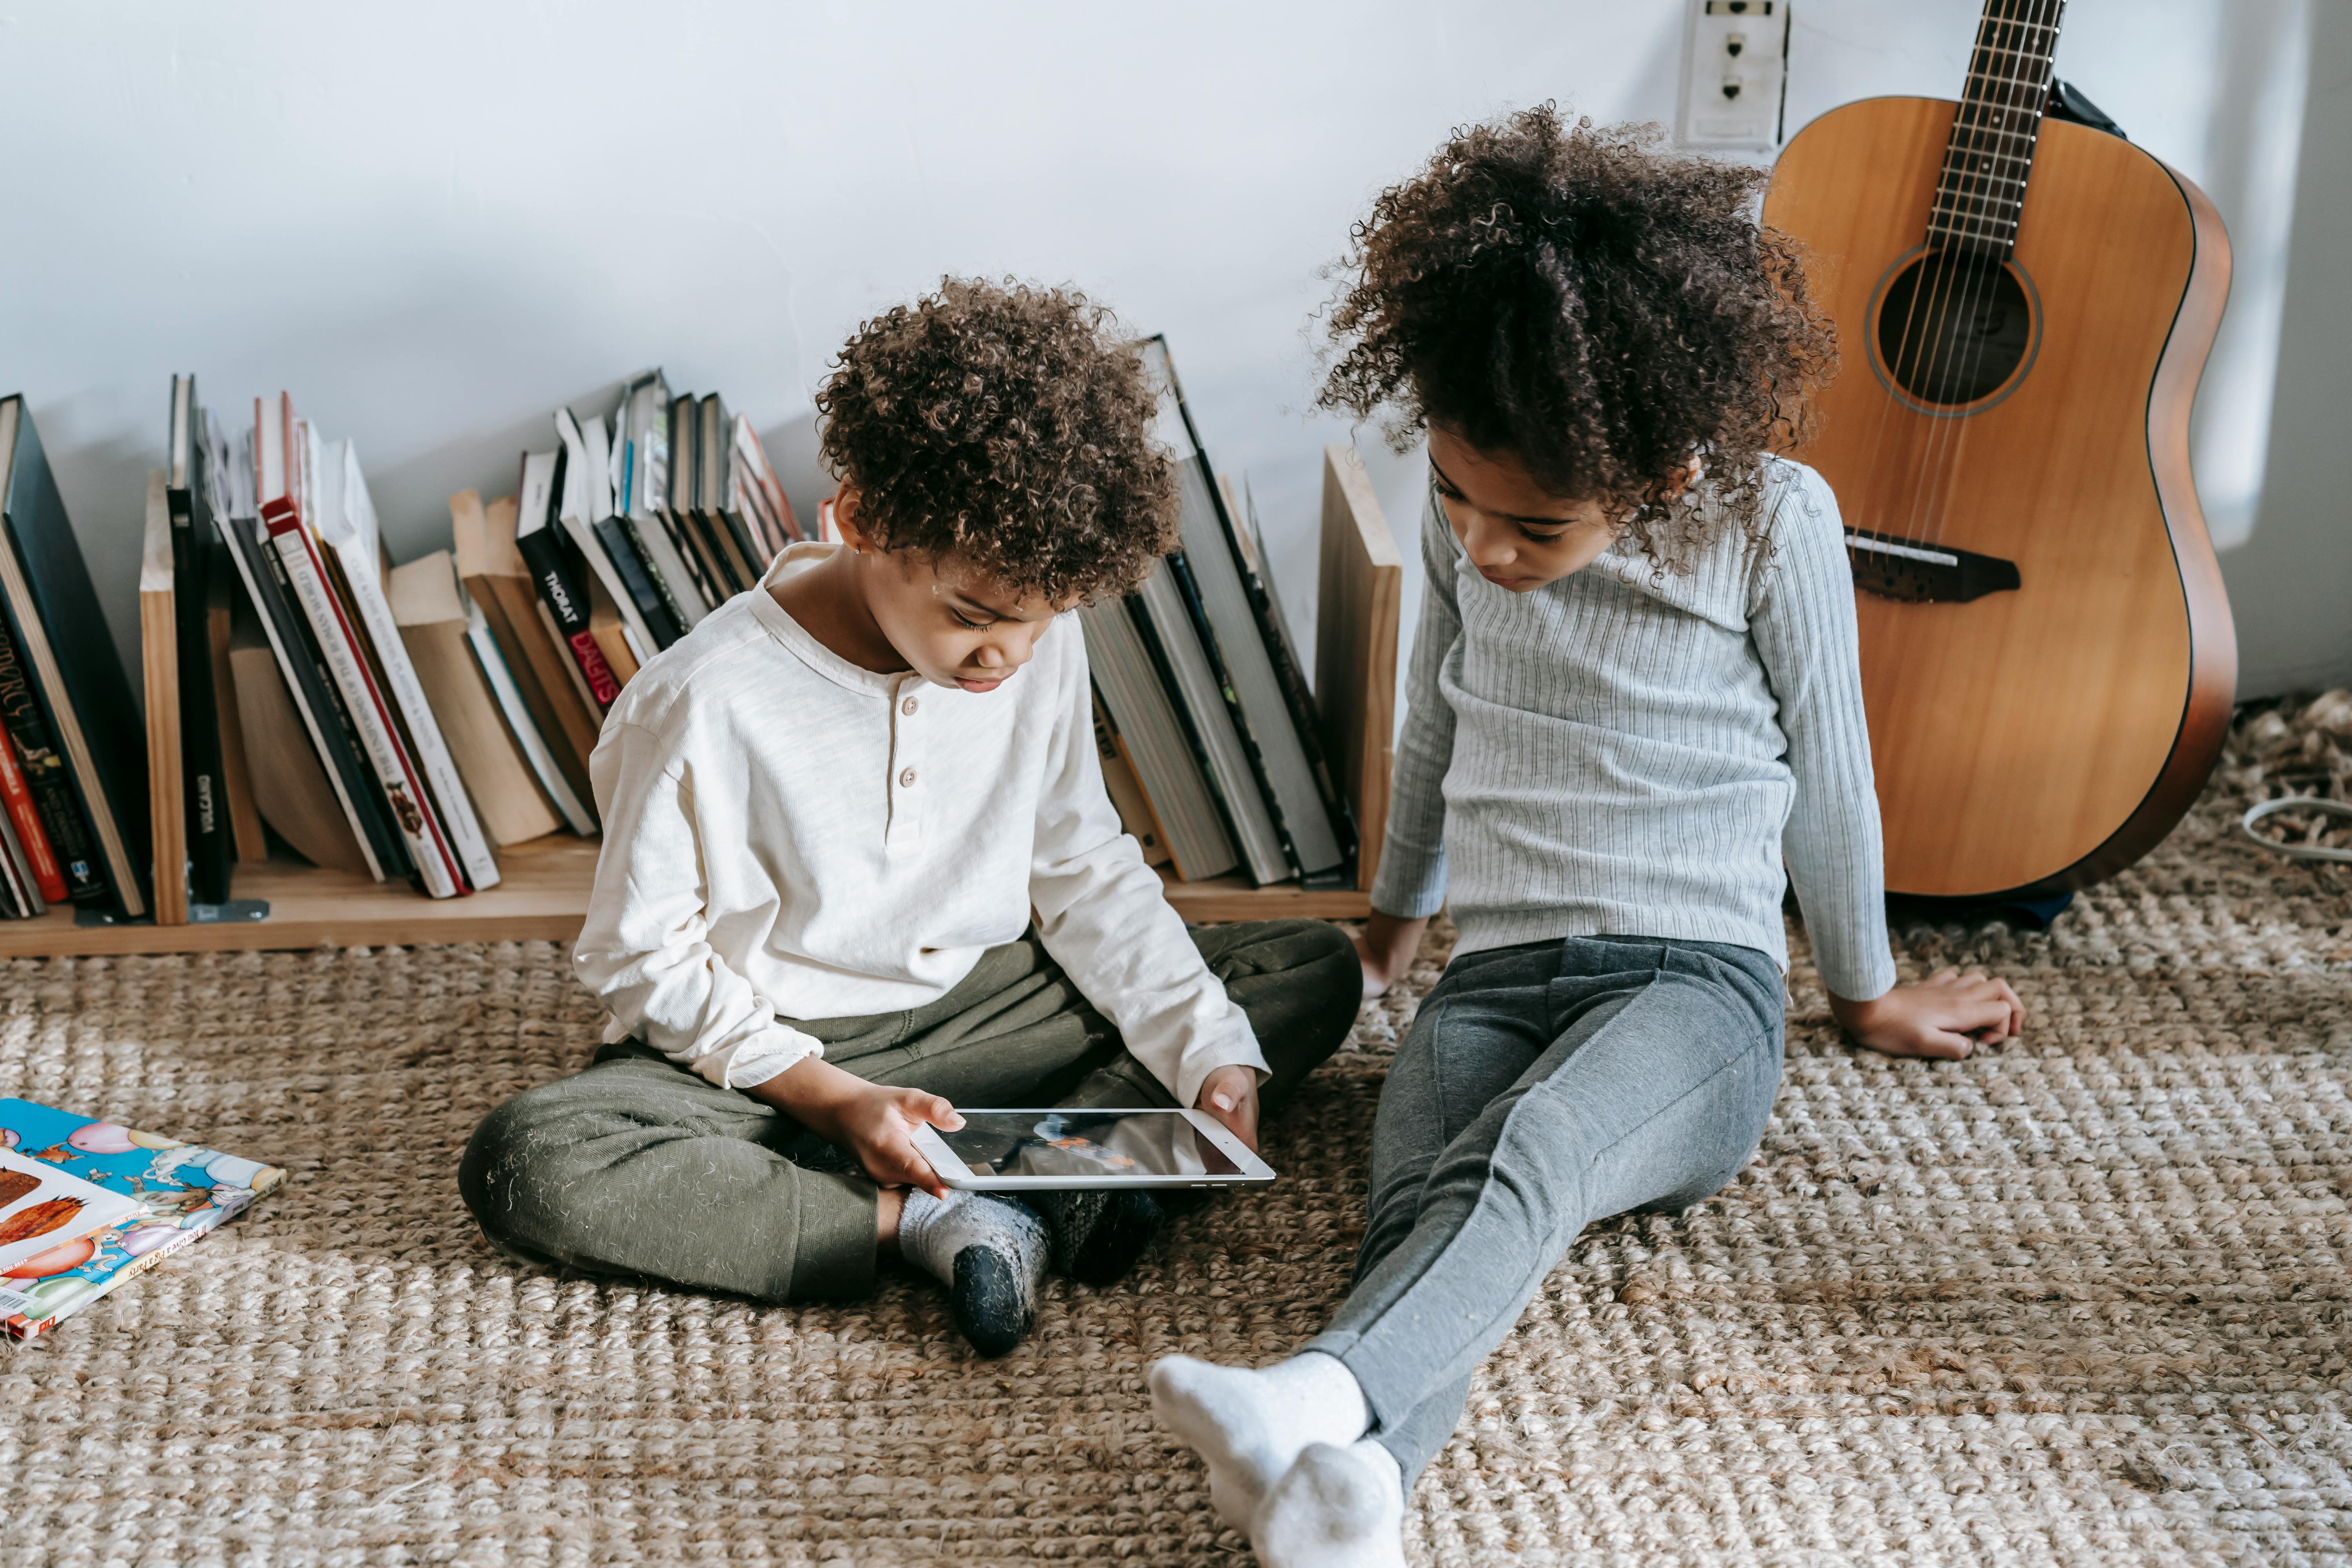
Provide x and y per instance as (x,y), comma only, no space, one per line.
(874,1122)
(1947,1015)
(1385,947)
(1230,1095)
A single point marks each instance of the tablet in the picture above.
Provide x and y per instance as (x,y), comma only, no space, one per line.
(1032,1151)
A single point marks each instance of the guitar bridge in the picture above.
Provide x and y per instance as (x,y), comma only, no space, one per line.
(1920,573)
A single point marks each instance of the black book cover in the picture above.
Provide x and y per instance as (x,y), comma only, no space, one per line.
(211,852)
(1180,572)
(1300,697)
(1140,614)
(45,779)
(618,535)
(80,686)
(312,686)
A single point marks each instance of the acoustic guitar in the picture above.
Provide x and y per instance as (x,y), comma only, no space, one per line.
(2024,306)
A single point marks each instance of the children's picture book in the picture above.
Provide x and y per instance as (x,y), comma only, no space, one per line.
(159,1194)
(44,1210)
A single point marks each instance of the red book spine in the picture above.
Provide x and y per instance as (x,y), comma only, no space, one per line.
(590,660)
(22,812)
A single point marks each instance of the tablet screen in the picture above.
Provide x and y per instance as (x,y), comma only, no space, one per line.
(1084,1143)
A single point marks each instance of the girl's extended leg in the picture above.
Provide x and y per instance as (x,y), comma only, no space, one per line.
(1541,1088)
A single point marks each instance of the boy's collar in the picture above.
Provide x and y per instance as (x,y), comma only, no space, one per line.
(802,557)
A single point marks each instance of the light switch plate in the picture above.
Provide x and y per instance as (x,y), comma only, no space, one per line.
(1734,74)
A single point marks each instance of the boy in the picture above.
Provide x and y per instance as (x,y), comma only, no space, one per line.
(830,812)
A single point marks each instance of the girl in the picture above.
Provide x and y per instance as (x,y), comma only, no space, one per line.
(1636,718)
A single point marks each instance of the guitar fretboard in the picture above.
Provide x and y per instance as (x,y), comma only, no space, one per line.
(1982,188)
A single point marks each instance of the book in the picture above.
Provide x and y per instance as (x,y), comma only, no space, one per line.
(291,788)
(611,634)
(578,814)
(280,451)
(346,525)
(682,516)
(177,1192)
(1152,738)
(1167,611)
(223,601)
(159,658)
(20,896)
(716,494)
(75,676)
(1272,714)
(1127,796)
(206,828)
(758,482)
(23,826)
(42,768)
(430,606)
(582,508)
(49,1214)
(498,580)
(643,507)
(561,588)
(310,698)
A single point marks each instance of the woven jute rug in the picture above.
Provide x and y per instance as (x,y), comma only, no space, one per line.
(2080,1299)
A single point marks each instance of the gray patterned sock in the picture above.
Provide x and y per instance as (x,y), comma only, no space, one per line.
(1099,1233)
(989,1253)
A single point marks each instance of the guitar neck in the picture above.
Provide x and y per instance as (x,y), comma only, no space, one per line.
(1983,188)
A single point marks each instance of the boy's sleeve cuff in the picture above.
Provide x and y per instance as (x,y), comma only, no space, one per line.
(749,1063)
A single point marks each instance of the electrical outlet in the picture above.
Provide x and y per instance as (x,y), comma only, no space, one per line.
(1735,71)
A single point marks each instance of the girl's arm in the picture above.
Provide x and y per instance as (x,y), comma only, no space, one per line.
(1409,885)
(1802,619)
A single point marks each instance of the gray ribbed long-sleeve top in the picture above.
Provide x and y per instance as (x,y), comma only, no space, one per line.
(1627,753)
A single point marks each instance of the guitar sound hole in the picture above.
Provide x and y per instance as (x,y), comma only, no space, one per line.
(1952,328)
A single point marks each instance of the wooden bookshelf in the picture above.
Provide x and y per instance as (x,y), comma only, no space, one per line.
(543,895)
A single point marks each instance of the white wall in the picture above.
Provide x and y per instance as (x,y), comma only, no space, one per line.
(432,222)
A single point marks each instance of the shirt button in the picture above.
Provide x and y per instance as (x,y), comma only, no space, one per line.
(909,706)
(907,779)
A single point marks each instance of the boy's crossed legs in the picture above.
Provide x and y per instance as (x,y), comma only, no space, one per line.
(1541,1086)
(639,1167)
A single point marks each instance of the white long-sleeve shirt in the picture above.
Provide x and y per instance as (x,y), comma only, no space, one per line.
(789,836)
(1637,754)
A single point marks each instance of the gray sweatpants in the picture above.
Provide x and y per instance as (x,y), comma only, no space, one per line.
(1542,1087)
(639,1167)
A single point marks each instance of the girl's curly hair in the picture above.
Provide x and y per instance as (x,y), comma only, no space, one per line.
(1599,309)
(1010,427)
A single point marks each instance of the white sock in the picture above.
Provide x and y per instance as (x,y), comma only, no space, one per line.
(1336,1507)
(988,1252)
(1252,1425)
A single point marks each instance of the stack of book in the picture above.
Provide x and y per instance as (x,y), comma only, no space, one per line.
(1207,726)
(86,1205)
(72,830)
(404,722)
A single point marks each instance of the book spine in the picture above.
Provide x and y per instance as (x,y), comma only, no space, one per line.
(1180,572)
(26,819)
(23,1328)
(568,606)
(1164,665)
(417,730)
(202,785)
(517,713)
(44,771)
(419,833)
(627,548)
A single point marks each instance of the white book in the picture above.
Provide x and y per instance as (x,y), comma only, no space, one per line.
(346,520)
(281,450)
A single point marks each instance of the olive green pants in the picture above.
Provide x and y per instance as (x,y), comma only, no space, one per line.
(637,1167)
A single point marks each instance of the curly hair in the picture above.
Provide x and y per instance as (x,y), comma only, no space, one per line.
(1006,425)
(1597,309)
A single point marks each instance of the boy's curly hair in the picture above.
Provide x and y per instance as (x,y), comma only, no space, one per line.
(1599,309)
(1006,425)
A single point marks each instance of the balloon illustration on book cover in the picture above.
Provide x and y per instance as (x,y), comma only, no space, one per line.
(57,1260)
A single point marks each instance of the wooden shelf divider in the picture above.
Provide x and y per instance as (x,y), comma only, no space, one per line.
(543,893)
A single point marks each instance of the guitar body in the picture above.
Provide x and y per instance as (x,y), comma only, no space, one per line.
(2047,732)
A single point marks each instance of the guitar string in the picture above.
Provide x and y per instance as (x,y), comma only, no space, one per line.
(1979,274)
(2023,97)
(1950,262)
(1924,285)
